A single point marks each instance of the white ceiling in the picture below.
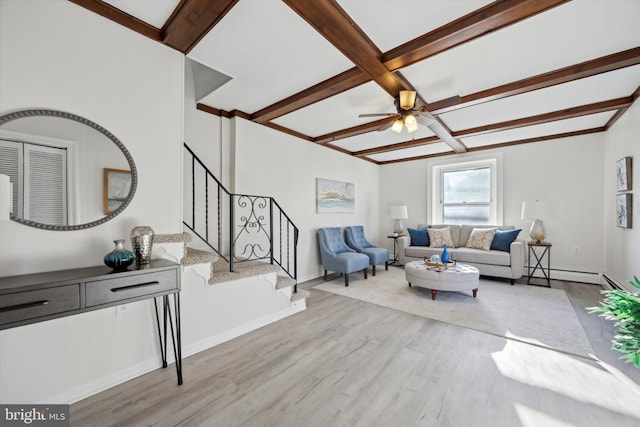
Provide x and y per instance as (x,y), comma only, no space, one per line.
(271,53)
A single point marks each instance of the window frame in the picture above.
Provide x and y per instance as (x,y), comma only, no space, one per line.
(435,170)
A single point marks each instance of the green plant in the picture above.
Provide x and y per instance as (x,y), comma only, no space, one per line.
(624,309)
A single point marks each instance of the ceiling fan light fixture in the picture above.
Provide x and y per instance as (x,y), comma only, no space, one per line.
(407,99)
(397,126)
(411,127)
(410,120)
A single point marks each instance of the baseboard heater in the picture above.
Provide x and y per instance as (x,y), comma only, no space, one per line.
(612,283)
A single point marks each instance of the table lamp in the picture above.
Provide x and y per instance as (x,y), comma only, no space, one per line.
(536,211)
(398,213)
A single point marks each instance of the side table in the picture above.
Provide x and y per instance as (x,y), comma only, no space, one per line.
(539,258)
(395,247)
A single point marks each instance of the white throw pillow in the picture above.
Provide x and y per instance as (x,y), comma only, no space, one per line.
(481,238)
(439,236)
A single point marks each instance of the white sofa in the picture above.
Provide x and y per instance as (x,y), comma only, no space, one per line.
(494,263)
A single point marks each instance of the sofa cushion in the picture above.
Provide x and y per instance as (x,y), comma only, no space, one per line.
(465,231)
(503,239)
(419,236)
(475,256)
(438,237)
(481,238)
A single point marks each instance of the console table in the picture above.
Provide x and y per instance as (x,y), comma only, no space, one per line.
(33,298)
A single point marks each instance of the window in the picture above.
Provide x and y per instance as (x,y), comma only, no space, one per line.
(466,192)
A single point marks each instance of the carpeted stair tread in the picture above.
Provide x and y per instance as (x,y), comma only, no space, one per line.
(301,294)
(172,238)
(243,270)
(285,282)
(196,256)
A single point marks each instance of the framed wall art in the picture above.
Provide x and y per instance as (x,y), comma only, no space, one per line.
(116,188)
(334,196)
(624,206)
(624,174)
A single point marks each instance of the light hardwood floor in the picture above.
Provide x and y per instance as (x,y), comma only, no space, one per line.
(344,362)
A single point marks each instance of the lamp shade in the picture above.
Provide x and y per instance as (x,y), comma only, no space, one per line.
(399,212)
(535,210)
(5,198)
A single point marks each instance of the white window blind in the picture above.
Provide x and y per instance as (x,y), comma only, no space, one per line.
(39,177)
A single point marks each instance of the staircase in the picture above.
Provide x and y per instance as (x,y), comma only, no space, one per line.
(232,236)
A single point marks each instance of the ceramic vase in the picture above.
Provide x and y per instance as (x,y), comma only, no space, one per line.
(142,242)
(445,255)
(120,258)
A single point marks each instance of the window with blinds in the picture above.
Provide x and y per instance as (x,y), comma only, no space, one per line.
(39,177)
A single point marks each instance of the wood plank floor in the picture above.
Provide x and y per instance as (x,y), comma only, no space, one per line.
(344,362)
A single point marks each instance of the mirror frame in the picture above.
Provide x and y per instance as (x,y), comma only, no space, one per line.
(6,118)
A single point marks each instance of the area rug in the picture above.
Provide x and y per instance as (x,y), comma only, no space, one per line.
(531,314)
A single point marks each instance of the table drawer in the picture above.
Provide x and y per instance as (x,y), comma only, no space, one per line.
(26,305)
(117,289)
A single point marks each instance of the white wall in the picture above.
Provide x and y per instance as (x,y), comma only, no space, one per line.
(622,245)
(54,54)
(568,173)
(271,163)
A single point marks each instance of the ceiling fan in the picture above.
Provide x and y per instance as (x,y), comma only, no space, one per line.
(409,115)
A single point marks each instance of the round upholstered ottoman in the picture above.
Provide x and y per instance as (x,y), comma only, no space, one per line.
(460,278)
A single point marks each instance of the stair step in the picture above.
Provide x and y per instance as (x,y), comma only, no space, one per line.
(172,238)
(196,256)
(301,294)
(243,270)
(285,282)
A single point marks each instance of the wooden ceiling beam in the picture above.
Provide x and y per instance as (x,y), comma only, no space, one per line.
(397,146)
(568,113)
(492,17)
(620,112)
(352,131)
(323,90)
(330,20)
(585,69)
(192,21)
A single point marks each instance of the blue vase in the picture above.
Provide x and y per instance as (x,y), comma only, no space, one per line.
(120,258)
(445,255)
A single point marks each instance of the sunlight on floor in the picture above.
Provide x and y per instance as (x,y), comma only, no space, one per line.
(569,376)
(529,417)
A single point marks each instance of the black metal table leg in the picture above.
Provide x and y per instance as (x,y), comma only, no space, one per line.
(176,334)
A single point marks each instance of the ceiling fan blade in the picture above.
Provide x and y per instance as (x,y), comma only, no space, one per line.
(444,135)
(377,115)
(389,123)
(425,118)
(439,105)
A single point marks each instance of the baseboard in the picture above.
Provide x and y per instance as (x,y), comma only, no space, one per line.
(101,384)
(570,276)
(230,334)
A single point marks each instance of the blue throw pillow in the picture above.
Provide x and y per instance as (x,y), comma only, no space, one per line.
(503,239)
(419,236)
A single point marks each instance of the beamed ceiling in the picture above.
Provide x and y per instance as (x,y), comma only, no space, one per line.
(492,73)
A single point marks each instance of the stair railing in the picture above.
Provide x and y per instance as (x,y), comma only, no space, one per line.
(256,227)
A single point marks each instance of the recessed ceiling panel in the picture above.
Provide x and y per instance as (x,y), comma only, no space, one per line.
(553,128)
(603,87)
(423,150)
(269,51)
(340,111)
(390,23)
(154,12)
(571,33)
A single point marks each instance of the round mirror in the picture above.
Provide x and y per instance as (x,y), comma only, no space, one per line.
(66,172)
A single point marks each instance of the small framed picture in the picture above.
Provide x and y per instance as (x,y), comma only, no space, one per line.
(116,188)
(623,174)
(624,206)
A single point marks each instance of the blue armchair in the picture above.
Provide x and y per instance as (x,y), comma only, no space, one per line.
(357,241)
(337,256)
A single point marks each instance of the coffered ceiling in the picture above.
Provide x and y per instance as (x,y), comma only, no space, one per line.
(492,73)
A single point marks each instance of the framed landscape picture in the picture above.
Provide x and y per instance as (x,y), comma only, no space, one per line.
(623,174)
(624,206)
(334,196)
